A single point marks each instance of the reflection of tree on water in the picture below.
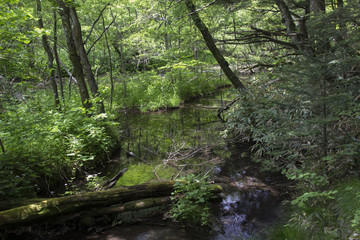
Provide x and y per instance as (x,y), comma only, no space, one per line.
(187,140)
(152,135)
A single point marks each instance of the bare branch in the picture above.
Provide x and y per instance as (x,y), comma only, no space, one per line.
(257,38)
(195,11)
(105,30)
(93,25)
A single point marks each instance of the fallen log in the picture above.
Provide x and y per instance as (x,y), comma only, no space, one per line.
(59,207)
(63,205)
(135,208)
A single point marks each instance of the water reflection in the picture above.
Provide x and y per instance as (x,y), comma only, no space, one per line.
(248,201)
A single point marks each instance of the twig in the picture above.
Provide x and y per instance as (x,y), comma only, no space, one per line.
(197,10)
(221,110)
(156,175)
(180,172)
(105,30)
(93,25)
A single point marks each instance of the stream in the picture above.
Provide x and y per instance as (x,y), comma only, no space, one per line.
(249,202)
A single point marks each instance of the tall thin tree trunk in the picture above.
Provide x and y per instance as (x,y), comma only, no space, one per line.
(2,147)
(123,66)
(179,37)
(110,64)
(76,28)
(212,47)
(47,48)
(58,67)
(318,6)
(74,57)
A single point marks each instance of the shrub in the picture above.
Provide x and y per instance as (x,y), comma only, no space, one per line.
(44,147)
(192,201)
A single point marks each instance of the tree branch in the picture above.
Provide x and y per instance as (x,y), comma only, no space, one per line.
(270,33)
(93,25)
(195,11)
(209,41)
(105,30)
(66,69)
(255,38)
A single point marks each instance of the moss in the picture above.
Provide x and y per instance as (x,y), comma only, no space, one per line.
(146,203)
(142,173)
(135,216)
(47,209)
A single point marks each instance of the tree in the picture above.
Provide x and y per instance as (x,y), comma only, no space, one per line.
(16,33)
(50,55)
(58,67)
(73,53)
(211,45)
(76,33)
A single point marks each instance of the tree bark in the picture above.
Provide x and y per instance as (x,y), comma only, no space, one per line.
(50,55)
(76,29)
(73,55)
(58,67)
(123,65)
(298,34)
(2,146)
(58,207)
(318,6)
(212,47)
(110,64)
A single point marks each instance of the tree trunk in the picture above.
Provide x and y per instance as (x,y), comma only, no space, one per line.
(212,47)
(110,64)
(2,146)
(76,29)
(74,57)
(298,34)
(58,67)
(123,65)
(47,48)
(318,6)
(58,207)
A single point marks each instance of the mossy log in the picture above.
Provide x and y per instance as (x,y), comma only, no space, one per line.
(59,207)
(129,212)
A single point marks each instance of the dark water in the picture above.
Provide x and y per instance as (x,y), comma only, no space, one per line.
(249,202)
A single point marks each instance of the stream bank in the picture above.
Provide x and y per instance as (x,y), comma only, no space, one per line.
(249,204)
(187,139)
(251,199)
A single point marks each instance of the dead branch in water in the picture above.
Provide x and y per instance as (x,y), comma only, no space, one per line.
(183,152)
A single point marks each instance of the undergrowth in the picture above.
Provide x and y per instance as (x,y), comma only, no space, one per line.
(45,147)
(167,87)
(328,217)
(192,197)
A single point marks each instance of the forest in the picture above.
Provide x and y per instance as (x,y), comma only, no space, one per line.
(76,76)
